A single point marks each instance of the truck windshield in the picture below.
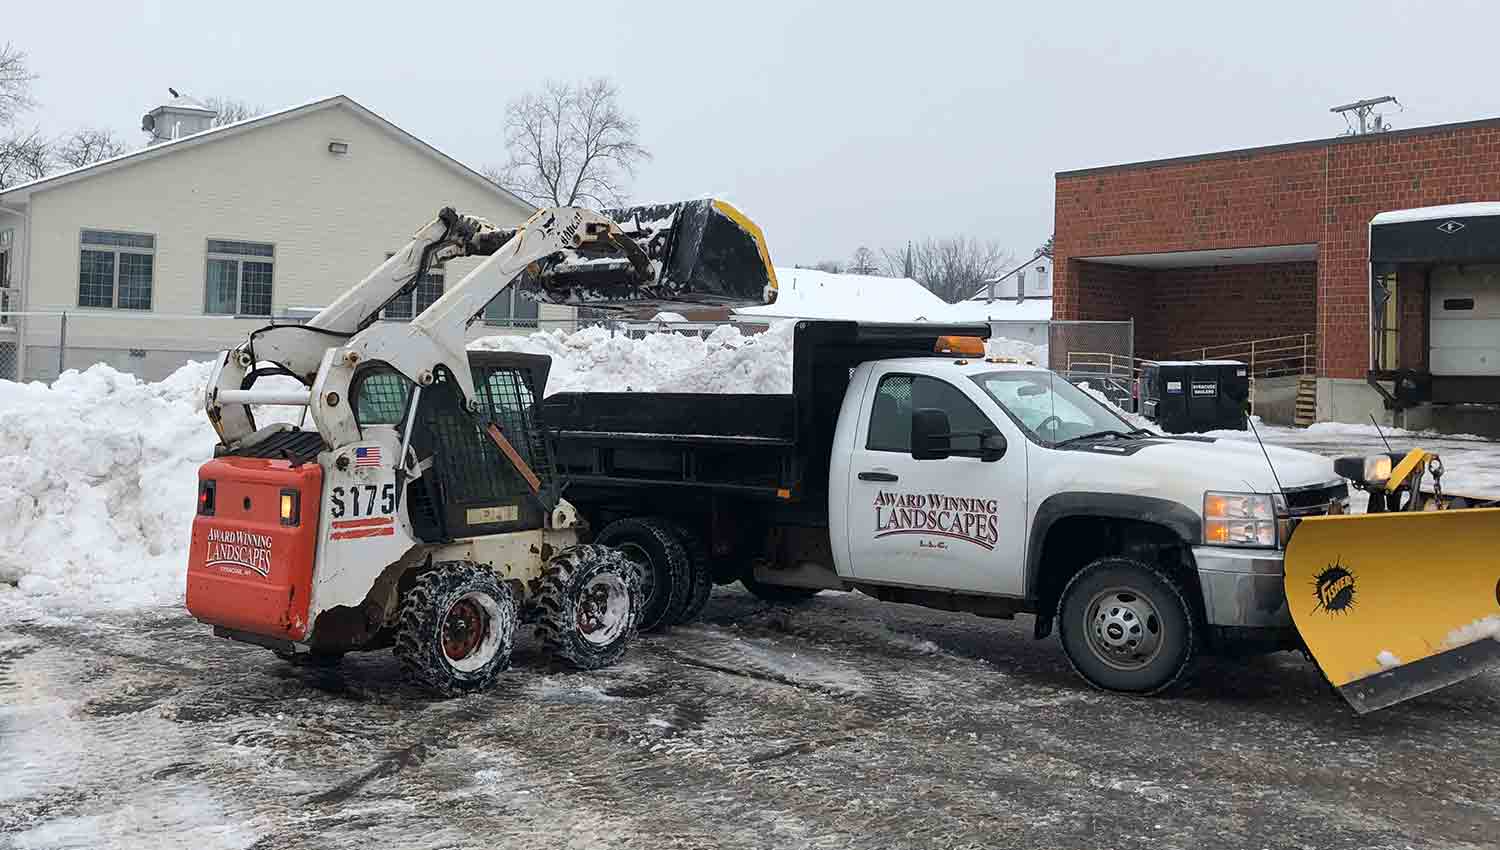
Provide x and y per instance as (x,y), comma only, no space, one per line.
(1049,408)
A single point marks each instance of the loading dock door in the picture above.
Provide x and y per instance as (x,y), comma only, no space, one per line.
(1465,317)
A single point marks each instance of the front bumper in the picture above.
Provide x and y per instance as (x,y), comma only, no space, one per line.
(1242,587)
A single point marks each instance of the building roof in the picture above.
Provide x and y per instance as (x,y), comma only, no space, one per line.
(812,294)
(185,103)
(1433,129)
(1035,308)
(1483,208)
(21,193)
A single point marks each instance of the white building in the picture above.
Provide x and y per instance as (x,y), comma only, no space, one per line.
(177,250)
(1018,304)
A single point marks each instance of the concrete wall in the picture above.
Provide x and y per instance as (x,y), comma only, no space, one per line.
(331,218)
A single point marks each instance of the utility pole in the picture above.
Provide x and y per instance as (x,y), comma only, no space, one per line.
(1370,121)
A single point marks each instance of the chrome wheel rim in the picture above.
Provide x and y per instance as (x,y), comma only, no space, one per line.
(603,609)
(1124,629)
(637,555)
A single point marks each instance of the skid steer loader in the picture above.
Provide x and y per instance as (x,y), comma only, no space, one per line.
(420,510)
(1402,599)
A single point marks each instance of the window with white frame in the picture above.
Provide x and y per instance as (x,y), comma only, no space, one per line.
(511,309)
(115,269)
(410,304)
(6,238)
(238,279)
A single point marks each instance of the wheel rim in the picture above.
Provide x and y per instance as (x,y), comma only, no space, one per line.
(1124,628)
(470,634)
(637,555)
(603,609)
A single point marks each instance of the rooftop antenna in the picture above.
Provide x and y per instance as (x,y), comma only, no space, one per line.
(1370,121)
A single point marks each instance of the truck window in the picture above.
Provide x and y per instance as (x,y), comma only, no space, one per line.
(1048,408)
(898,395)
(380,396)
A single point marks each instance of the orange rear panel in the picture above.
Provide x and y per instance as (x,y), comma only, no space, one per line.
(246,570)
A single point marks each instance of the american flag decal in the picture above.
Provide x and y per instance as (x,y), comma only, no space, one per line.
(367,456)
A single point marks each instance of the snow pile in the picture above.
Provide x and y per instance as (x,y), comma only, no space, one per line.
(1387,659)
(1002,347)
(812,294)
(98,478)
(726,361)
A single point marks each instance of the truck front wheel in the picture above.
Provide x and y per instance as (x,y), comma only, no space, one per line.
(1127,626)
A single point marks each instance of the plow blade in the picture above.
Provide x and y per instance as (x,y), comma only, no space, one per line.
(1395,605)
(702,252)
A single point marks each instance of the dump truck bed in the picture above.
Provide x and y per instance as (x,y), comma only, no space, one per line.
(633,448)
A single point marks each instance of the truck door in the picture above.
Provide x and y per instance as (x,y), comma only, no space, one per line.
(957,523)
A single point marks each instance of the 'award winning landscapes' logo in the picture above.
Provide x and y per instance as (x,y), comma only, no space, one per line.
(934,514)
(237,551)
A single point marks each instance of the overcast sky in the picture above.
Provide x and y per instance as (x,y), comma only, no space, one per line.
(834,125)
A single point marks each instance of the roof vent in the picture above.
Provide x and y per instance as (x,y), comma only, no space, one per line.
(179,117)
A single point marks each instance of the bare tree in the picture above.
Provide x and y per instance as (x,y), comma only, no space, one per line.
(230,110)
(15,84)
(86,147)
(830,266)
(864,261)
(570,144)
(953,269)
(24,156)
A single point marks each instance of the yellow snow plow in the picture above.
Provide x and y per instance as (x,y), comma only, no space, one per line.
(1404,599)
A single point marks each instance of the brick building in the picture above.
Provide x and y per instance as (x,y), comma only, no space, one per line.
(1264,242)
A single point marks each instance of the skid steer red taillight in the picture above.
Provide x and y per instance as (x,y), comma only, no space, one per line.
(291,507)
(206,497)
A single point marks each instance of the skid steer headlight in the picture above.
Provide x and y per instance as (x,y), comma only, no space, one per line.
(1239,519)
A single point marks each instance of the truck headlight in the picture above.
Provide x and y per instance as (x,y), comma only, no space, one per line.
(1239,519)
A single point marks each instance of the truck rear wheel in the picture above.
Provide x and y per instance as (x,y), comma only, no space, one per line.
(456,628)
(588,606)
(652,545)
(1127,626)
(700,575)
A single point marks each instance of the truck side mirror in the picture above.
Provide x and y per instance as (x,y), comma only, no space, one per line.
(992,446)
(930,438)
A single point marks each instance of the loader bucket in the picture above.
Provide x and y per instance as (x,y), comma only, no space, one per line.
(1395,605)
(702,252)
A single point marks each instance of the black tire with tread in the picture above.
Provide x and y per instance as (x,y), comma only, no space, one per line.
(556,625)
(419,627)
(700,575)
(668,560)
(1180,625)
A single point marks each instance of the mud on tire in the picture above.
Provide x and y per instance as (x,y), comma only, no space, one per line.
(456,628)
(653,545)
(1127,626)
(588,606)
(700,575)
